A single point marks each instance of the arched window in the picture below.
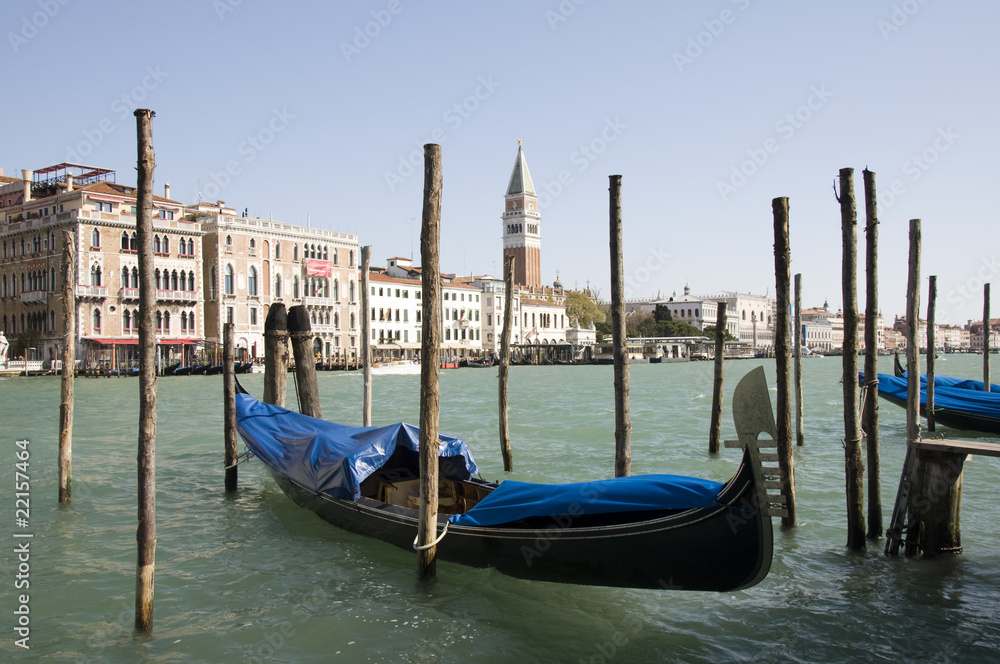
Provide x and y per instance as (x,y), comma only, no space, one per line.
(52,320)
(96,320)
(228,286)
(277,286)
(124,277)
(336,288)
(184,321)
(253,247)
(135,319)
(166,244)
(126,321)
(95,277)
(295,287)
(173,280)
(352,291)
(326,253)
(156,244)
(95,239)
(350,258)
(336,320)
(166,322)
(295,252)
(124,240)
(191,321)
(159,321)
(135,277)
(252,281)
(132,242)
(191,281)
(52,278)
(352,321)
(277,251)
(229,242)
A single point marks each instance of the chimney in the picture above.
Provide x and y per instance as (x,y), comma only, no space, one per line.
(69,182)
(166,191)
(26,177)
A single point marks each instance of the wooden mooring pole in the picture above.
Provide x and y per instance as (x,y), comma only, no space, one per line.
(799,429)
(229,405)
(623,424)
(508,323)
(931,345)
(715,429)
(276,355)
(430,392)
(853,465)
(366,338)
(987,333)
(782,347)
(68,368)
(869,422)
(146,533)
(914,467)
(300,332)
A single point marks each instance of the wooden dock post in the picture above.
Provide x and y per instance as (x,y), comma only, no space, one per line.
(914,467)
(508,323)
(715,428)
(300,332)
(430,391)
(799,429)
(229,405)
(782,347)
(931,350)
(68,368)
(987,333)
(853,464)
(146,533)
(869,422)
(623,424)
(366,338)
(276,355)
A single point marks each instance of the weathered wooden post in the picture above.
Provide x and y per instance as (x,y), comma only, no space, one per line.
(854,466)
(68,367)
(987,333)
(715,429)
(146,533)
(870,407)
(366,338)
(229,405)
(508,323)
(430,392)
(276,355)
(623,424)
(931,345)
(799,429)
(782,260)
(300,332)
(913,385)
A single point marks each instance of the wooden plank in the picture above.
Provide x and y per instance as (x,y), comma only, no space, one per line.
(962,447)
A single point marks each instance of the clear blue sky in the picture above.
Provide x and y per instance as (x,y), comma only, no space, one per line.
(313,116)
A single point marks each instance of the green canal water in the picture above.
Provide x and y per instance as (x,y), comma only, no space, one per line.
(252,577)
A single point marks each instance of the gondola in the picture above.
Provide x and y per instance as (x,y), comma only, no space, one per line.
(479,364)
(183,371)
(959,404)
(651,531)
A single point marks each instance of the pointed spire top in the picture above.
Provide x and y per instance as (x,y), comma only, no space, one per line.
(520,178)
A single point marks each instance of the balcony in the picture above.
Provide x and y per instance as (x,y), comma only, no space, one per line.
(91,291)
(318,301)
(177,295)
(130,293)
(34,296)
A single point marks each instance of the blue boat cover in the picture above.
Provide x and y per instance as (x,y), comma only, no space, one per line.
(949,393)
(331,458)
(513,501)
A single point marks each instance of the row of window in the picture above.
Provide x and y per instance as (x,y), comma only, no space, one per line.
(30,245)
(33,280)
(160,245)
(39,321)
(130,322)
(315,286)
(321,252)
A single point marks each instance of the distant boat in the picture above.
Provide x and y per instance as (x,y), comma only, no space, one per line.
(479,364)
(646,531)
(398,367)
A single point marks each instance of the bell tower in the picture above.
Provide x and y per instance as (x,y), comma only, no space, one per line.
(522,225)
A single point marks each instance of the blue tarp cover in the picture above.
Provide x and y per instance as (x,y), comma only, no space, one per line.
(513,501)
(952,393)
(331,458)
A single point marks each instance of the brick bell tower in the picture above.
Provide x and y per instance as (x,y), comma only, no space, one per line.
(522,225)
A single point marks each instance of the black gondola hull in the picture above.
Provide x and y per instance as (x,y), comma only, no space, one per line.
(722,548)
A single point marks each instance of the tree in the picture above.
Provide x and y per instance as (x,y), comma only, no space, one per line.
(709,332)
(28,339)
(662,313)
(583,309)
